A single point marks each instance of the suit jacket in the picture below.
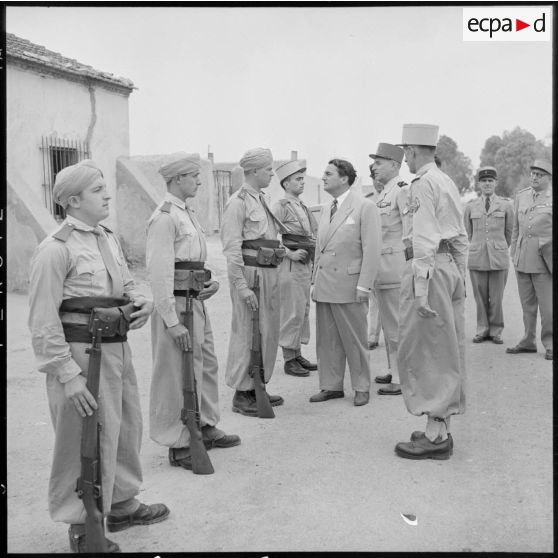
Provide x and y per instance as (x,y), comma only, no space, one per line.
(347,250)
(489,233)
(532,229)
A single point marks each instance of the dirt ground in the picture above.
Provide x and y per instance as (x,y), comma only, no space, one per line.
(319,477)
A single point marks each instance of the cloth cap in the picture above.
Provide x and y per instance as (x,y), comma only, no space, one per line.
(388,151)
(541,164)
(420,134)
(290,167)
(487,172)
(179,163)
(73,180)
(256,158)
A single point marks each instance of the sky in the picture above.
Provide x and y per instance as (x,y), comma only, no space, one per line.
(322,81)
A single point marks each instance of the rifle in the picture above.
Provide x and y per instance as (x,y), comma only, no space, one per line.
(190,414)
(256,369)
(89,485)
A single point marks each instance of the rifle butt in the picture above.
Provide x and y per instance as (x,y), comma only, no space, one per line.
(95,541)
(265,410)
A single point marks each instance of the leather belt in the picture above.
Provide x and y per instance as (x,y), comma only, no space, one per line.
(443,248)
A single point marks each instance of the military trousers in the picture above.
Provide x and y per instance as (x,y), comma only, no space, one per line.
(431,352)
(535,292)
(488,290)
(120,437)
(165,397)
(373,319)
(388,306)
(294,292)
(341,339)
(240,340)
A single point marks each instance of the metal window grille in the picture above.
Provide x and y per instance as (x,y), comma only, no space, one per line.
(223,183)
(58,154)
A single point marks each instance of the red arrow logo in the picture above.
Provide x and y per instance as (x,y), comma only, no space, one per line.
(519,25)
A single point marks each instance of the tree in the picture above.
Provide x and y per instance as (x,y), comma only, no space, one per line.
(455,164)
(512,154)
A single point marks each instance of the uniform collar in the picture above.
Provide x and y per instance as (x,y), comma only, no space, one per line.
(251,190)
(390,185)
(425,168)
(292,198)
(177,201)
(79,225)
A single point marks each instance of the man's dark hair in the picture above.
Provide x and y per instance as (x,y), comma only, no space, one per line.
(438,161)
(344,168)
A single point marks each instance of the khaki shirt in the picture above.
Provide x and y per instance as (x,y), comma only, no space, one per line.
(61,270)
(489,233)
(435,207)
(244,219)
(174,234)
(296,217)
(532,228)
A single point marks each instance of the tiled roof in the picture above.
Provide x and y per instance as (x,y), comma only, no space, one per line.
(18,49)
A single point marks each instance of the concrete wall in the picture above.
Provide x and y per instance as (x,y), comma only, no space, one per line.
(140,188)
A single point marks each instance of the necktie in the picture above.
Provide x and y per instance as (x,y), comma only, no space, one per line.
(203,246)
(117,286)
(333,210)
(279,225)
(487,204)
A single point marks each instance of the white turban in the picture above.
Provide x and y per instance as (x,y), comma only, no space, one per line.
(73,180)
(179,163)
(256,158)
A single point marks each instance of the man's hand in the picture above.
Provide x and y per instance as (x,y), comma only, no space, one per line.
(140,317)
(249,298)
(362,296)
(77,391)
(297,255)
(210,288)
(423,309)
(181,336)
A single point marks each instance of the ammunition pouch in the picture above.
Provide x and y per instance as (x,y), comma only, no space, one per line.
(112,321)
(301,242)
(190,278)
(262,253)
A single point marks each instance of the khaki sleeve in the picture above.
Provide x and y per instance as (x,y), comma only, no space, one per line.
(231,239)
(515,226)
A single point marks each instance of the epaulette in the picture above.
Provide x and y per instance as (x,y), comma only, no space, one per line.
(241,194)
(166,207)
(524,189)
(415,179)
(64,232)
(401,184)
(283,202)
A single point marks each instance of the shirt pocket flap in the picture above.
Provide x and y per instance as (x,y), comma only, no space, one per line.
(91,267)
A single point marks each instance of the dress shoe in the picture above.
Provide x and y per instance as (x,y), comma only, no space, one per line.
(76,534)
(275,400)
(372,345)
(479,338)
(244,402)
(305,363)
(418,434)
(215,438)
(423,448)
(390,389)
(497,339)
(144,515)
(325,395)
(294,368)
(517,349)
(361,398)
(548,354)
(180,457)
(383,379)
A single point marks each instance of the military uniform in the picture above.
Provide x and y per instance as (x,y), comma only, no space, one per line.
(489,231)
(531,236)
(174,234)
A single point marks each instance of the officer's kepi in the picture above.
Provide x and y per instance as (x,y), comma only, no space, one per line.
(388,151)
(420,134)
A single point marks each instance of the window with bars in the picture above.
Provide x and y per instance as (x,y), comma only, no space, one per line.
(58,154)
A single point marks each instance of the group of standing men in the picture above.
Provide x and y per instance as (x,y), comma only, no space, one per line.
(408,248)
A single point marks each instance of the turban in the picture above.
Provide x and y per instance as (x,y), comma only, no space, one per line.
(256,158)
(73,180)
(180,163)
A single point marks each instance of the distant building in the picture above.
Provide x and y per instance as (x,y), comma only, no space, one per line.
(59,112)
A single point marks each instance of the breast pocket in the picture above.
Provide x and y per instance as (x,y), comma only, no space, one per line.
(255,224)
(90,273)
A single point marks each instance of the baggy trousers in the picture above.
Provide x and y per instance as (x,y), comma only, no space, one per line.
(388,306)
(431,353)
(166,398)
(535,291)
(240,341)
(488,290)
(120,416)
(294,289)
(341,338)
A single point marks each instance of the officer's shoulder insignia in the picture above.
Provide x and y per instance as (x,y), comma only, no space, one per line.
(242,194)
(524,189)
(166,207)
(415,179)
(401,184)
(283,202)
(64,232)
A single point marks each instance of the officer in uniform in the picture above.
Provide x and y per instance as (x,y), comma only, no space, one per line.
(531,251)
(84,259)
(431,319)
(489,221)
(295,271)
(175,235)
(248,227)
(392,206)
